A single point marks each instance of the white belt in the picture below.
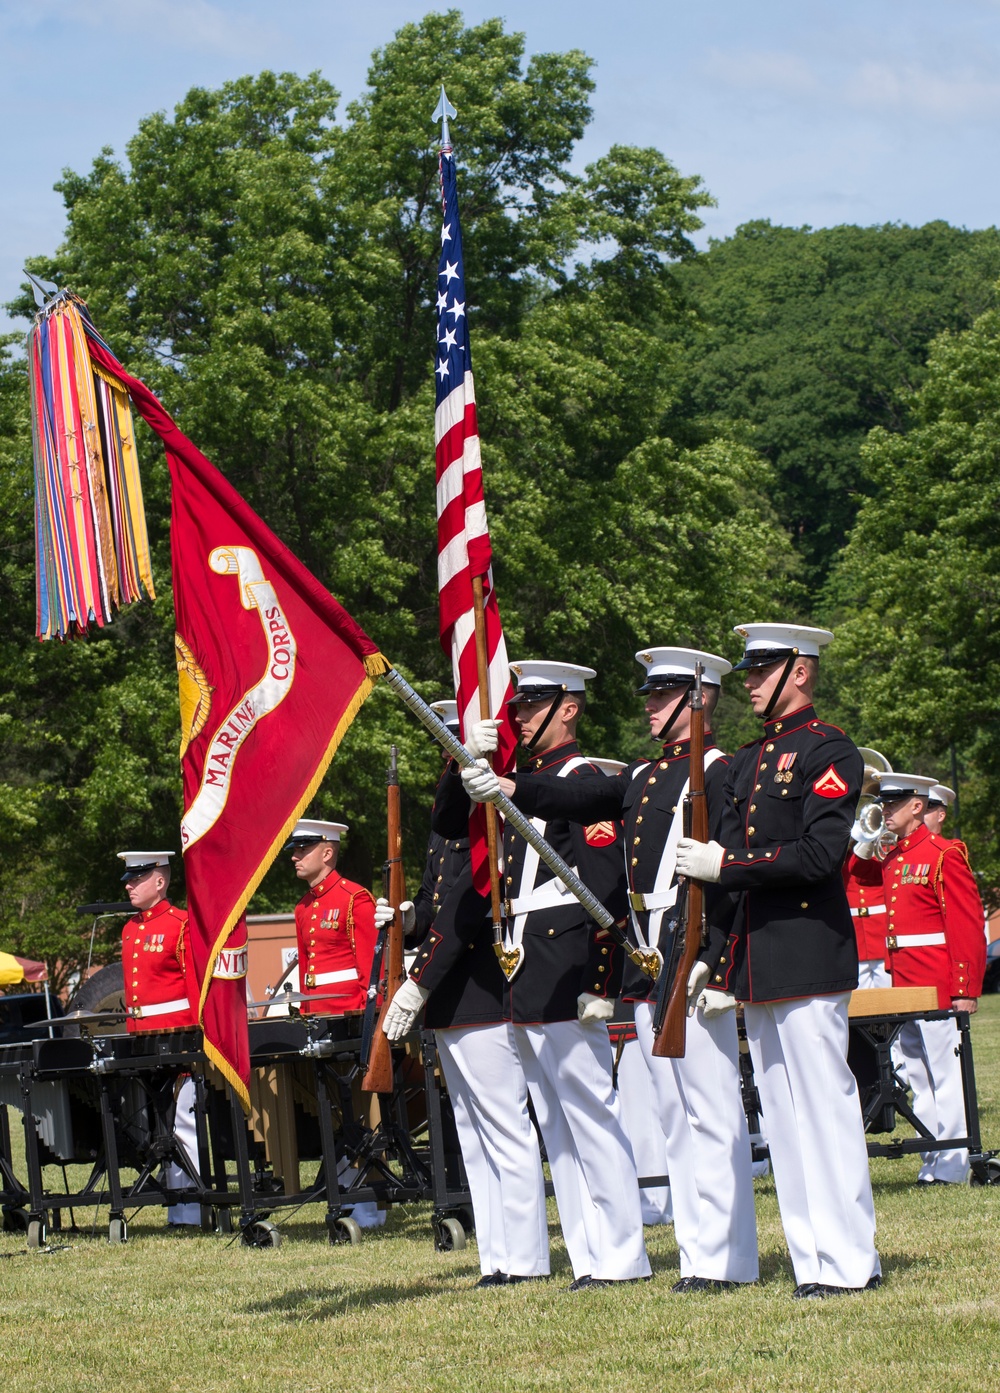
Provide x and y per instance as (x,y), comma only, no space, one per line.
(548,896)
(323,979)
(867,909)
(655,899)
(164,1008)
(915,940)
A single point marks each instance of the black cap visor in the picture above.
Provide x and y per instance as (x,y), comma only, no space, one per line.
(134,872)
(532,695)
(764,657)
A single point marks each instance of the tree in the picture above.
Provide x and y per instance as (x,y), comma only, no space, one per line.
(814,338)
(270,272)
(918,588)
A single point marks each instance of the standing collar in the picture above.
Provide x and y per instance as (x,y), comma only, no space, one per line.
(161,907)
(920,834)
(327,883)
(795,720)
(681,749)
(551,759)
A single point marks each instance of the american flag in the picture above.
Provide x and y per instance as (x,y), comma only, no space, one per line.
(463,535)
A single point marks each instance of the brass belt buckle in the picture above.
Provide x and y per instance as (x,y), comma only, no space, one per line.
(136,1013)
(890,943)
(310,979)
(637,899)
(863,912)
(508,912)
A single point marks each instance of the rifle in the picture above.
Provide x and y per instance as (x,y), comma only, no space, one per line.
(378,1075)
(687,939)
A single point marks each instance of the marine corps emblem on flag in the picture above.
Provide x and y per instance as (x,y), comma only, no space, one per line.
(600,834)
(830,784)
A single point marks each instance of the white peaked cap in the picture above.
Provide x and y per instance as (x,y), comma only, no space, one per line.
(941,793)
(447,710)
(309,830)
(904,785)
(544,675)
(661,663)
(611,767)
(137,860)
(801,638)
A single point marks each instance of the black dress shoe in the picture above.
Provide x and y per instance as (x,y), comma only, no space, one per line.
(579,1283)
(803,1290)
(710,1284)
(684,1284)
(819,1291)
(615,1281)
(513,1279)
(493,1279)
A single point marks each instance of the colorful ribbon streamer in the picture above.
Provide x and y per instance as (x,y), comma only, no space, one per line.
(91,545)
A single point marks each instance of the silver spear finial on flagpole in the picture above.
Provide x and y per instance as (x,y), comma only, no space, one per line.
(442,111)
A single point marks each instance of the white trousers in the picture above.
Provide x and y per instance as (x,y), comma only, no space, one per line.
(700,1108)
(812,1112)
(489,1098)
(934,1073)
(185,1133)
(635,1093)
(872,972)
(568,1068)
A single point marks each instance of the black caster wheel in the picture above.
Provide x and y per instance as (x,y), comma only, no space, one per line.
(449,1236)
(15,1221)
(37,1233)
(985,1172)
(261,1234)
(117,1231)
(347,1230)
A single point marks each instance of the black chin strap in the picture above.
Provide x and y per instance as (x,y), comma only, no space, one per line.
(789,664)
(556,702)
(675,711)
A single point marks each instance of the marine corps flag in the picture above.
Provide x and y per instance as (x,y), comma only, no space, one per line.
(272,672)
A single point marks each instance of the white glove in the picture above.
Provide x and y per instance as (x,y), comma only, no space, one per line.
(697,978)
(481,784)
(866,850)
(483,738)
(404,1008)
(593,1008)
(699,860)
(384,914)
(715,1003)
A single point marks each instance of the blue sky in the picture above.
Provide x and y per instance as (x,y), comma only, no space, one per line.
(816,113)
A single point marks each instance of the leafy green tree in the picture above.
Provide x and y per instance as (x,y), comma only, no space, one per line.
(918,588)
(813,338)
(270,271)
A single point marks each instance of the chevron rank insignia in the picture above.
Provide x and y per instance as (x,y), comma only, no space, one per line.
(600,834)
(830,784)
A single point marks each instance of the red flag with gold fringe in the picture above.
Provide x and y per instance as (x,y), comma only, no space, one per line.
(272,671)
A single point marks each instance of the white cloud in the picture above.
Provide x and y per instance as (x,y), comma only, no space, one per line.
(768,71)
(196,25)
(954,95)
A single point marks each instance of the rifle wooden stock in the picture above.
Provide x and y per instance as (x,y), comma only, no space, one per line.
(669,1043)
(378,1076)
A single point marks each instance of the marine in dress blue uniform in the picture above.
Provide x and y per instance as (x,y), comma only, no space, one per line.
(455,972)
(698,1100)
(563,994)
(790,798)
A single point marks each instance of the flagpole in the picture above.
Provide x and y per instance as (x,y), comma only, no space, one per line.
(509,962)
(648,962)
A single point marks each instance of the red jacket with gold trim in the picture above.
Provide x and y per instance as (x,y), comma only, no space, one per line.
(863,883)
(933,897)
(160,990)
(335,929)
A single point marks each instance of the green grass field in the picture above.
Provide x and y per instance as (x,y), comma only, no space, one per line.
(166,1313)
